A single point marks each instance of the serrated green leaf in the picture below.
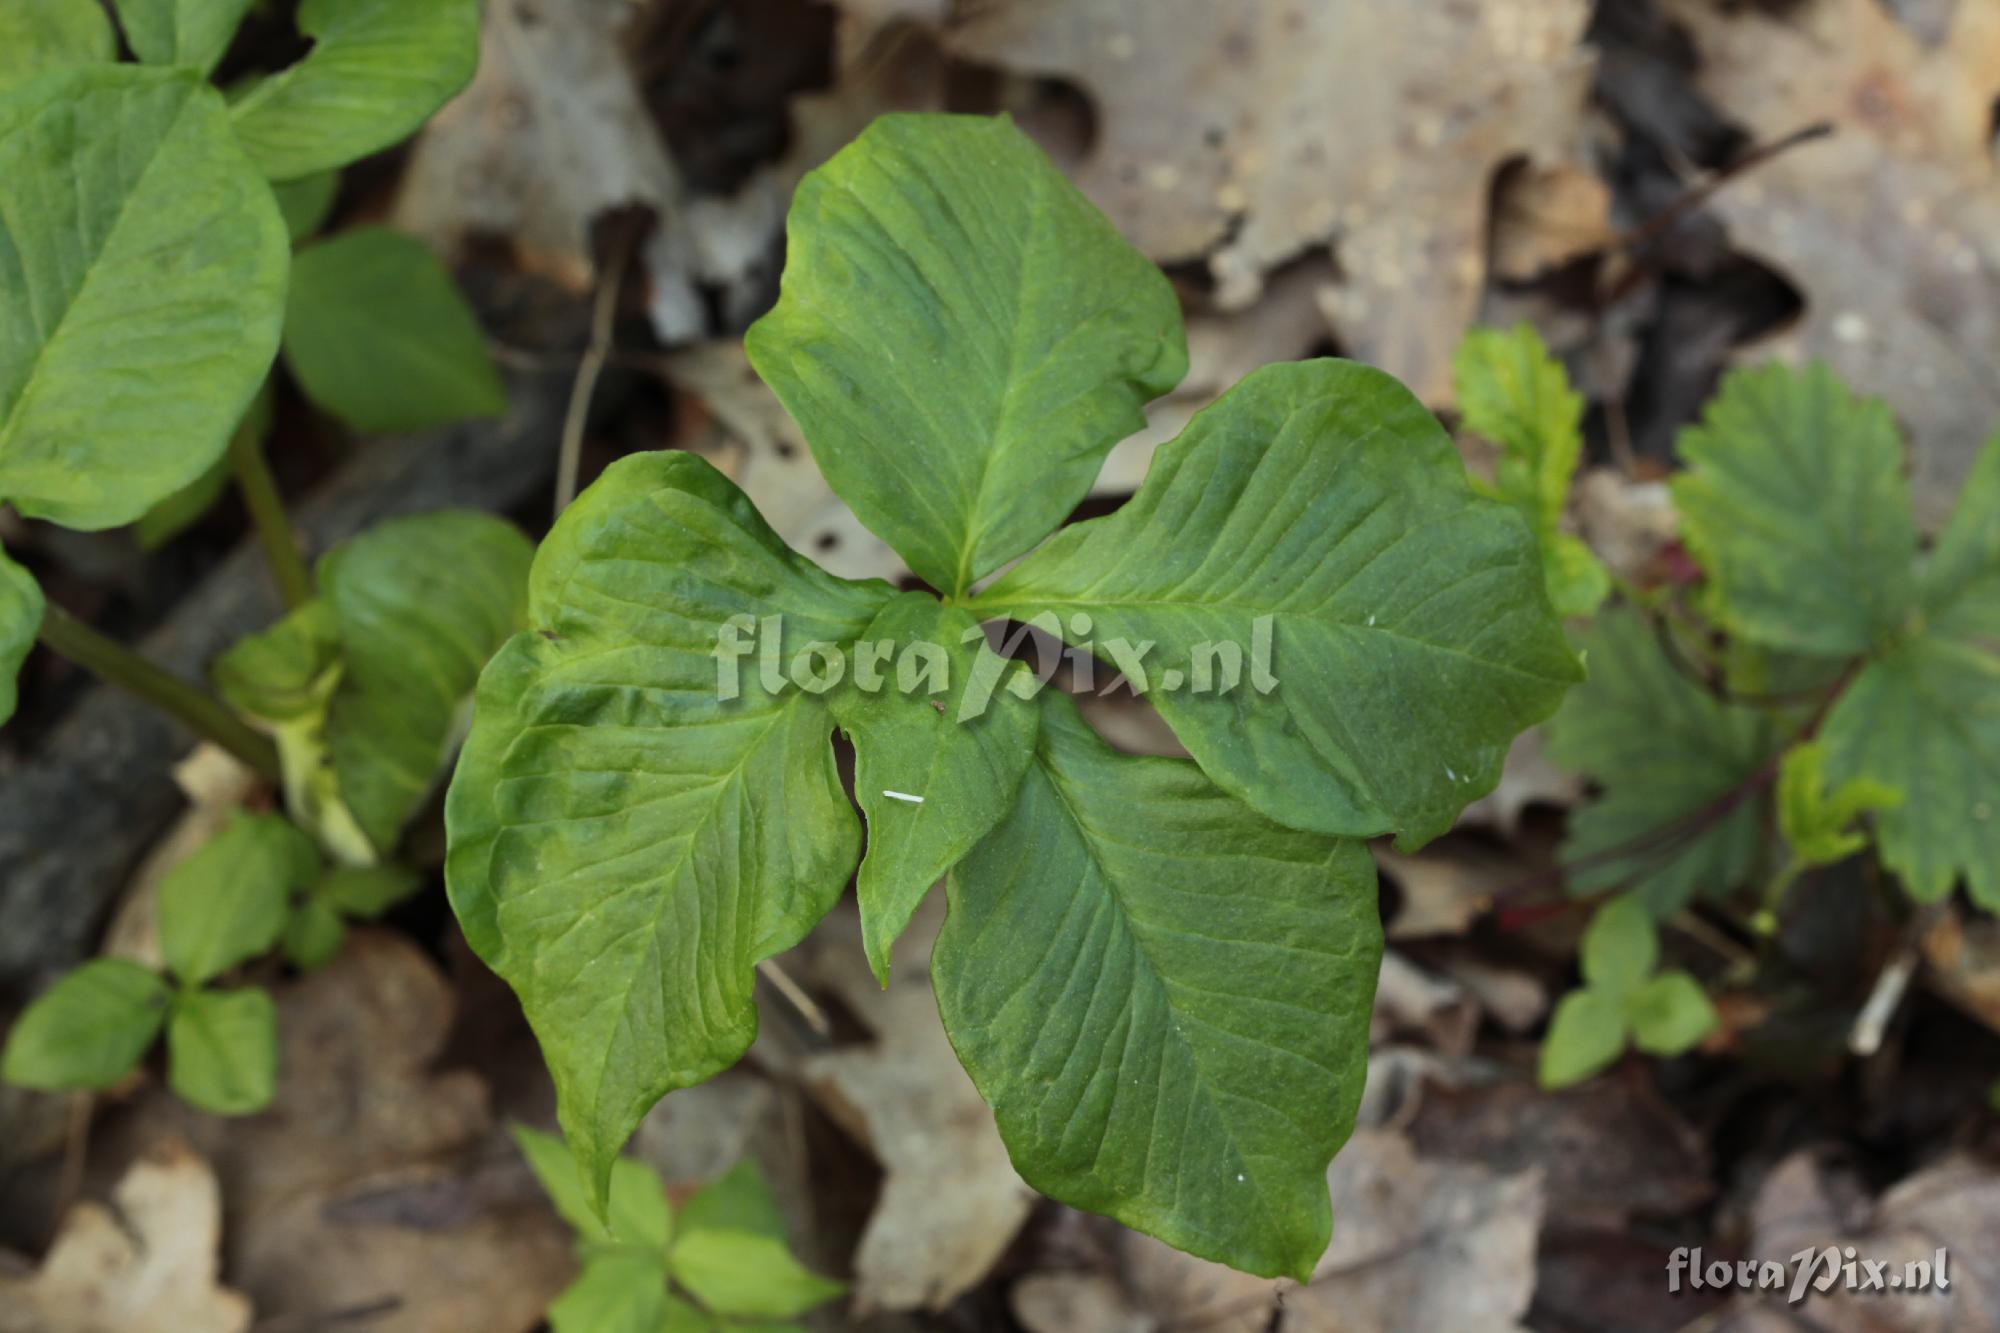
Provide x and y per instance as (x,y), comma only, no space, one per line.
(1960,581)
(738,1201)
(222,1050)
(931,780)
(366,891)
(229,901)
(1585,1036)
(43,36)
(1669,1014)
(1668,754)
(743,1275)
(1319,502)
(1794,502)
(1814,820)
(616,1293)
(21,608)
(193,33)
(1514,393)
(636,1214)
(627,845)
(420,604)
(377,334)
(167,519)
(314,934)
(307,202)
(376,71)
(142,278)
(1134,963)
(88,1030)
(961,337)
(1620,948)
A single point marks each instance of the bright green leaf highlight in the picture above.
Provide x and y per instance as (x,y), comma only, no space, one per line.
(961,337)
(1514,393)
(194,33)
(1815,821)
(1669,1014)
(20,621)
(222,1050)
(1318,503)
(376,71)
(1135,963)
(617,1292)
(229,901)
(737,1201)
(1586,1035)
(743,1275)
(1621,948)
(43,36)
(88,1030)
(142,278)
(378,335)
(636,1216)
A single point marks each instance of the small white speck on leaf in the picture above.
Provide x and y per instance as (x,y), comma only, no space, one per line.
(902,796)
(1239,1177)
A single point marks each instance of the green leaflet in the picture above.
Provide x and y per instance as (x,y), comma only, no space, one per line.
(228,902)
(318,927)
(961,337)
(617,1292)
(962,770)
(306,203)
(378,335)
(1669,1014)
(746,1275)
(42,36)
(172,515)
(1318,503)
(20,621)
(637,1215)
(626,845)
(1621,996)
(142,278)
(419,604)
(1165,998)
(1515,394)
(314,935)
(222,1050)
(88,1030)
(1586,1035)
(376,71)
(1620,947)
(193,33)
(1795,504)
(1668,754)
(1814,820)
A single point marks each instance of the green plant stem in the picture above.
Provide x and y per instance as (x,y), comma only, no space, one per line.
(190,705)
(267,513)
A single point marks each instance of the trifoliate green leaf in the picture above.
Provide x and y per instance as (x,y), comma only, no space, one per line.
(88,1030)
(1680,812)
(636,1216)
(627,845)
(142,279)
(314,934)
(43,36)
(1669,1014)
(1585,1036)
(307,202)
(1514,393)
(229,901)
(222,1050)
(20,621)
(1316,515)
(420,603)
(961,337)
(171,516)
(377,334)
(1795,504)
(1621,947)
(376,71)
(617,1292)
(1815,821)
(1133,963)
(931,779)
(743,1275)
(193,33)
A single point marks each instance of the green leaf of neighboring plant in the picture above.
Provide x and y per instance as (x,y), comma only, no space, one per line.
(1813,820)
(1514,393)
(738,1201)
(193,33)
(1621,948)
(637,1213)
(142,279)
(1675,764)
(743,1275)
(420,603)
(1795,505)
(229,901)
(1318,507)
(961,337)
(1134,962)
(1669,1014)
(88,1030)
(167,519)
(376,71)
(1585,1036)
(627,845)
(314,934)
(366,891)
(222,1050)
(932,780)
(1960,581)
(21,608)
(616,1293)
(42,36)
(307,202)
(378,335)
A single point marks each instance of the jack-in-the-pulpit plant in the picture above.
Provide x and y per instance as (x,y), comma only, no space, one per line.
(1157,971)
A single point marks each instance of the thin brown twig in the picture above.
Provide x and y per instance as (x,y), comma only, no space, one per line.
(604,309)
(1698,195)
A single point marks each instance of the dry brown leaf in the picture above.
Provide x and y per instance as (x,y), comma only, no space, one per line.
(951,1201)
(1546,217)
(148,1267)
(1253,133)
(1414,1001)
(1527,777)
(1891,227)
(1963,958)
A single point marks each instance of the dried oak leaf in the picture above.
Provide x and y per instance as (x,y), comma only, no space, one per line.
(148,1267)
(1891,226)
(1251,133)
